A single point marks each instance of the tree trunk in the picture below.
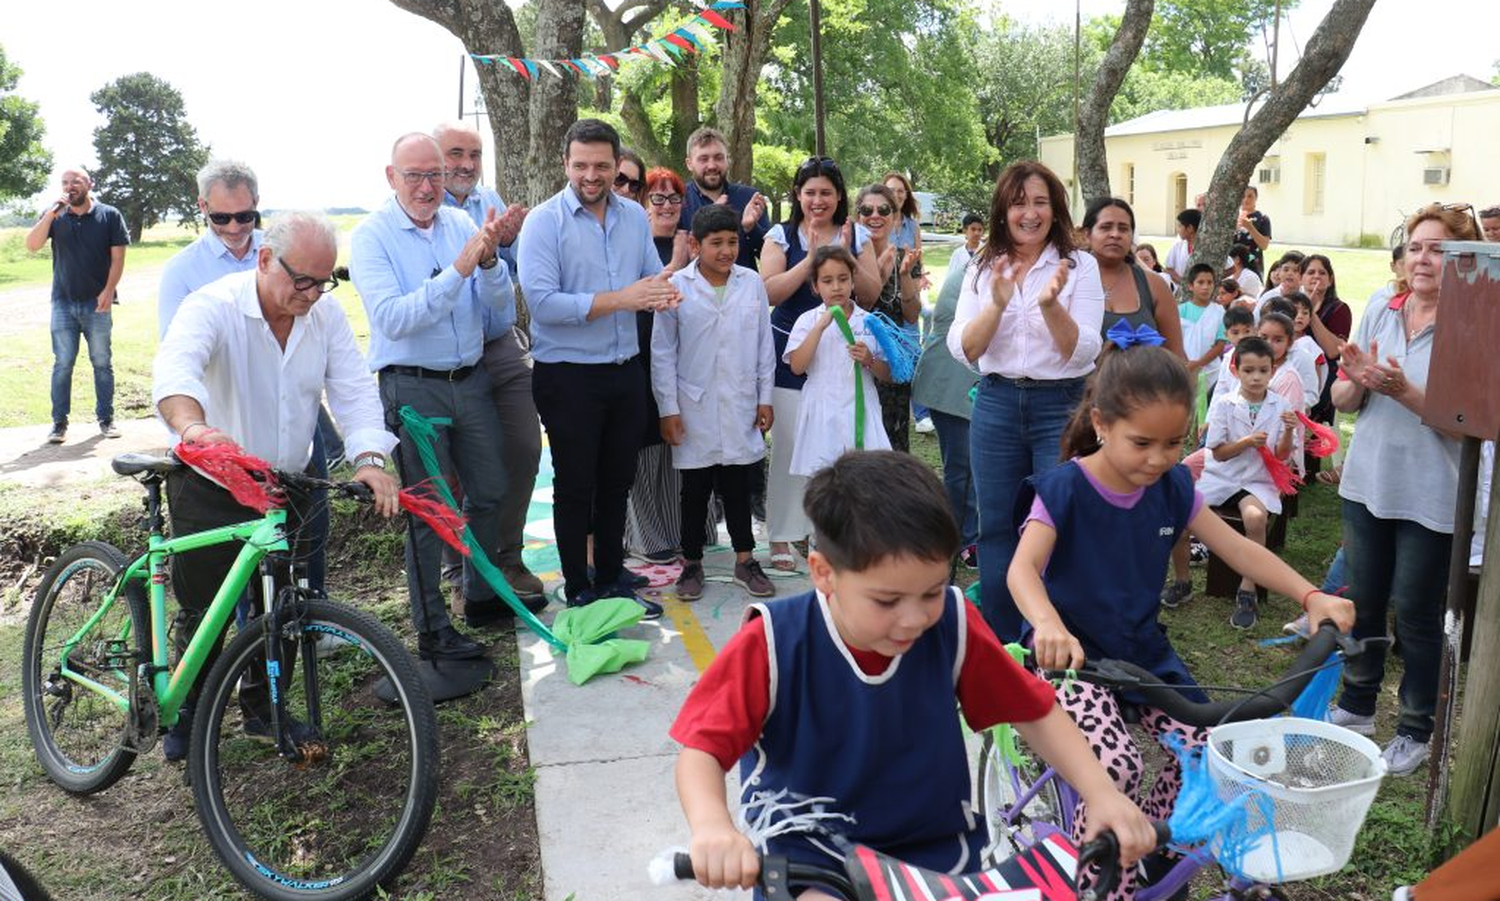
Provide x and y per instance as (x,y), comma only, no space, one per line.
(1093,114)
(487,26)
(554,101)
(685,119)
(1326,52)
(641,138)
(744,54)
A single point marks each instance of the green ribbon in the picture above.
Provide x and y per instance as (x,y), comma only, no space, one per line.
(859,383)
(1005,733)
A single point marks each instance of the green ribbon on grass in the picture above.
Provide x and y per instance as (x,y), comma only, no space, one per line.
(580,632)
(859,383)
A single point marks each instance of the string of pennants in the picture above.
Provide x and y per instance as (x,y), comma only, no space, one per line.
(692,37)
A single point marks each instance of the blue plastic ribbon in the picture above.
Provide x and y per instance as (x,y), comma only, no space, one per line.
(1126,337)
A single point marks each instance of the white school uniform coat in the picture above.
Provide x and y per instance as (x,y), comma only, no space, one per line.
(825,417)
(1229,420)
(712,363)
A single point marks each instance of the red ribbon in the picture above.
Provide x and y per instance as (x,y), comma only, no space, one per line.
(247,478)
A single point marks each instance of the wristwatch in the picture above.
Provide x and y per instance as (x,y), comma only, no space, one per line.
(489,263)
(369,458)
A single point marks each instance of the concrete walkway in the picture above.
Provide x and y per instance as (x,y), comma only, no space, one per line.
(27,459)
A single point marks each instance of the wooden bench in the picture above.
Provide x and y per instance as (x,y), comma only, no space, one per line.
(1222,581)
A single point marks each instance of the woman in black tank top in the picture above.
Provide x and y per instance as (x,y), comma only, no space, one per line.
(1130,293)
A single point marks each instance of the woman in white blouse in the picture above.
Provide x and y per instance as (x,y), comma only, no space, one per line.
(1029,319)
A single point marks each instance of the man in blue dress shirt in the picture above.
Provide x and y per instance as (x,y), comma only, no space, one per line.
(228,194)
(426,275)
(506,359)
(587,265)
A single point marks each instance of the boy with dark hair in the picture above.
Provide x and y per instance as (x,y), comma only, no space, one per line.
(1176,263)
(846,694)
(712,370)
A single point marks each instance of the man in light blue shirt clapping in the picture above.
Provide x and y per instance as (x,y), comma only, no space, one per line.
(587,265)
(505,359)
(427,275)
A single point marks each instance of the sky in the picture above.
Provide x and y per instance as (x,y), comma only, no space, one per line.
(311,93)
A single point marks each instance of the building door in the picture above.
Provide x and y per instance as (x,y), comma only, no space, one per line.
(1178,202)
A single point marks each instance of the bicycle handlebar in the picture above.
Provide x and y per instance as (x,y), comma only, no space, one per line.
(1103,851)
(1126,676)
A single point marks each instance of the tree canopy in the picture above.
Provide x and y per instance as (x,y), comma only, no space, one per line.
(24,162)
(149,153)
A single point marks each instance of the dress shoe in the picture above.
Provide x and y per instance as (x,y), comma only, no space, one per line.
(448,643)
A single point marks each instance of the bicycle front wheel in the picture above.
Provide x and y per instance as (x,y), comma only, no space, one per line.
(349,815)
(81,735)
(1002,784)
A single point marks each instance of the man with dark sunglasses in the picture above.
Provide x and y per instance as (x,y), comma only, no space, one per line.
(228,194)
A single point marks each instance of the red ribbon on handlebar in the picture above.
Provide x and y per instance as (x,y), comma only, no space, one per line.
(246,477)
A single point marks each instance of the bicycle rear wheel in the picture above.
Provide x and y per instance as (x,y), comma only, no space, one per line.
(351,813)
(81,736)
(1001,786)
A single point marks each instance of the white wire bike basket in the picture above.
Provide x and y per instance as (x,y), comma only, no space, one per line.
(1319,780)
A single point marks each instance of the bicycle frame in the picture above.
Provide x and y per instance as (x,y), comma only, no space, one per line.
(171,686)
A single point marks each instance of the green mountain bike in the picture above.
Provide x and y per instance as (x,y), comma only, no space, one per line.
(324,795)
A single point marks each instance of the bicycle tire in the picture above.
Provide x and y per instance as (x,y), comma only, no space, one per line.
(998,781)
(290,831)
(92,752)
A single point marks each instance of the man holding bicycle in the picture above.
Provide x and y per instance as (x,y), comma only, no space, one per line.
(246,360)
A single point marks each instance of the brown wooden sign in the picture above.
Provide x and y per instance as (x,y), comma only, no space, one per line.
(1463,384)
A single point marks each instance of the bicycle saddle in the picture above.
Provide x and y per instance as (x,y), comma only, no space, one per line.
(129,464)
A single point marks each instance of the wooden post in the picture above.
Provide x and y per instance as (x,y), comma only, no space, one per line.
(1474,792)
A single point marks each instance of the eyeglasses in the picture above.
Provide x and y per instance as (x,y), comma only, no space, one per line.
(414,178)
(243,217)
(665,199)
(818,164)
(884,209)
(624,181)
(306,282)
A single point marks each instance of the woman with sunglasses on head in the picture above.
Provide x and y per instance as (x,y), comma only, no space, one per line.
(630,174)
(819,215)
(653,513)
(1131,295)
(1028,318)
(899,298)
(1399,483)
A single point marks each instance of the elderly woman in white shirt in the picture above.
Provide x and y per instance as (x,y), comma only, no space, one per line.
(1028,319)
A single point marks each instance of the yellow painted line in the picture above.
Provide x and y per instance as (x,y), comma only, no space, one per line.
(699,648)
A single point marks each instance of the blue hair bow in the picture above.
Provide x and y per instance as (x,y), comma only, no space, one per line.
(1126,337)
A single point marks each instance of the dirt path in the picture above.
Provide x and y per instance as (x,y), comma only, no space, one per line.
(29,308)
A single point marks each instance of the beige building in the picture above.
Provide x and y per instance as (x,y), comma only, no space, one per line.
(1343,172)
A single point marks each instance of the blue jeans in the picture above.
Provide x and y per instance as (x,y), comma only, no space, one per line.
(72,319)
(1395,563)
(1016,432)
(953,444)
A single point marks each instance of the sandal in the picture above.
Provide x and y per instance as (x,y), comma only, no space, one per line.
(785,561)
(1331,476)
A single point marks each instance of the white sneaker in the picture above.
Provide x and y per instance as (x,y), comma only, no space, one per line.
(1361,725)
(925,426)
(1404,755)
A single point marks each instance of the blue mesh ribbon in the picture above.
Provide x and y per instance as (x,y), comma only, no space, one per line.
(1126,337)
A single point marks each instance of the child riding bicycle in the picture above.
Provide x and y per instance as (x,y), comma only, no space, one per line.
(841,699)
(1097,534)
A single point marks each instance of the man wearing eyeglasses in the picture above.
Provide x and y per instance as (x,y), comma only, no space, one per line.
(428,276)
(505,359)
(228,195)
(1489,222)
(88,258)
(588,264)
(247,359)
(708,163)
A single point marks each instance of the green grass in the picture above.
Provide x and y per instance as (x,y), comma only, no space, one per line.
(18,268)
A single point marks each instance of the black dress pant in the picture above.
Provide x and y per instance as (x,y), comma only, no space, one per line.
(197,504)
(594,414)
(732,483)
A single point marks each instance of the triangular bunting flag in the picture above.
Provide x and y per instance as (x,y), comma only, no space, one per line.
(480,58)
(515,63)
(583,66)
(530,67)
(728,4)
(547,64)
(609,60)
(677,40)
(704,36)
(713,18)
(686,35)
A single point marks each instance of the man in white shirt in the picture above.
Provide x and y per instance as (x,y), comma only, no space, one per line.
(246,359)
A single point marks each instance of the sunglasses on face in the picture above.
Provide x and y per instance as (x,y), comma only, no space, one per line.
(818,164)
(665,199)
(884,209)
(244,217)
(624,181)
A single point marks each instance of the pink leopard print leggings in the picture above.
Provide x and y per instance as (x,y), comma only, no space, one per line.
(1097,712)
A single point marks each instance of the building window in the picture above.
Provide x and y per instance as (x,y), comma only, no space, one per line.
(1316,182)
(1129,181)
(1270,171)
